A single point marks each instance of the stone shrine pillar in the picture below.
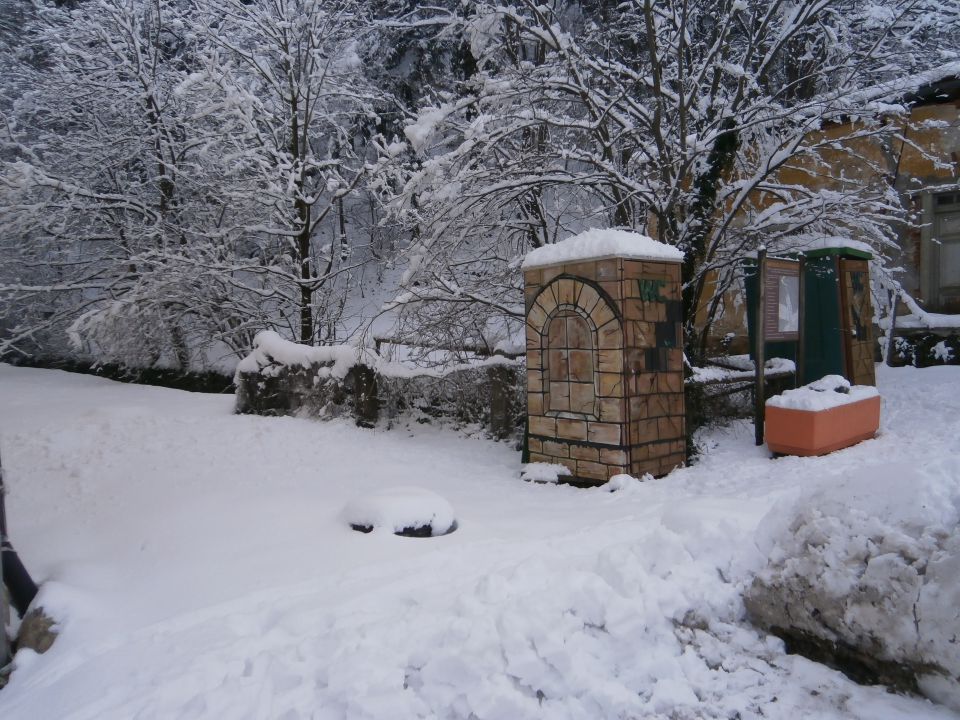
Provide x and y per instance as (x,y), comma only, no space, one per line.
(605,356)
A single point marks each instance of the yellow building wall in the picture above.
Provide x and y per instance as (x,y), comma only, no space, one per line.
(928,157)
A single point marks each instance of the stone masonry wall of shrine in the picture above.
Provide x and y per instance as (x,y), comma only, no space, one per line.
(605,367)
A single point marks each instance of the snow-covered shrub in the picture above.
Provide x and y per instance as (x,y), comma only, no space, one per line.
(926,350)
(866,574)
(491,396)
(283,378)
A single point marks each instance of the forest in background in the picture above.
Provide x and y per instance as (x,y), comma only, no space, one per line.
(178,175)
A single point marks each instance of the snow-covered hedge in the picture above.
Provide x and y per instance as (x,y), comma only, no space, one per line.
(280,377)
(867,573)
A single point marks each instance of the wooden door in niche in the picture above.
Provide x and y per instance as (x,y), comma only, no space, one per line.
(857,316)
(570,365)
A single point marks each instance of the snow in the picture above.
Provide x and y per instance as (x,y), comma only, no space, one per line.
(541,472)
(828,392)
(880,550)
(399,508)
(942,352)
(272,354)
(923,321)
(716,374)
(791,244)
(422,129)
(835,242)
(198,566)
(597,244)
(896,89)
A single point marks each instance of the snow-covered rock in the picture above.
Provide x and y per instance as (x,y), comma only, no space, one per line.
(402,511)
(868,570)
(37,632)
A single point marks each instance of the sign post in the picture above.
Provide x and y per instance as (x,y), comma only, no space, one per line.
(15,577)
(758,412)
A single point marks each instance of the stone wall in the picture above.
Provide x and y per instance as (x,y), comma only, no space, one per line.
(488,395)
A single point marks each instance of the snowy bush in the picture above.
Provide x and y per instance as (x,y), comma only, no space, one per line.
(867,574)
(926,350)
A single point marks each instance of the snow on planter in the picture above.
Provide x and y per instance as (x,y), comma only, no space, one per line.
(599,244)
(865,570)
(408,511)
(828,392)
(821,417)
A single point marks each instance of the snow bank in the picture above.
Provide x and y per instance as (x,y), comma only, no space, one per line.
(594,244)
(400,510)
(870,564)
(828,392)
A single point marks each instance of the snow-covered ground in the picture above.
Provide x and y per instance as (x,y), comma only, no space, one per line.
(199,567)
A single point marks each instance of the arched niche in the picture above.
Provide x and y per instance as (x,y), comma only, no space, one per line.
(570,348)
(575,321)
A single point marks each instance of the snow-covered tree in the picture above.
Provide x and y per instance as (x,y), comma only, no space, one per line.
(177,175)
(112,216)
(285,82)
(713,125)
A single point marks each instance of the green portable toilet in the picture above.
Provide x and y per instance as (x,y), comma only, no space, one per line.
(837,321)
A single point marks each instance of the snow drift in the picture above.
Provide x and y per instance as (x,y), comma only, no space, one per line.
(868,570)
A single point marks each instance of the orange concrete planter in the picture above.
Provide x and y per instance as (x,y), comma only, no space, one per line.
(818,432)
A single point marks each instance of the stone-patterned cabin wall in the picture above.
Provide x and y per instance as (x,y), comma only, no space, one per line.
(604,368)
(653,363)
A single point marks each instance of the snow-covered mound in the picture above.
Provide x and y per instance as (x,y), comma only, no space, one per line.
(541,472)
(827,392)
(869,566)
(403,511)
(271,353)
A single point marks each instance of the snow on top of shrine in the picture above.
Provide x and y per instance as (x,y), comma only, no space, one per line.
(597,244)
